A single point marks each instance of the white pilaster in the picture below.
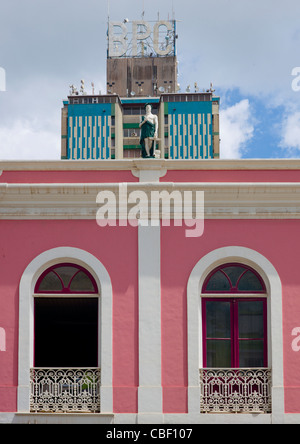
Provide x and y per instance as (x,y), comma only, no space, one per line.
(150,392)
(150,388)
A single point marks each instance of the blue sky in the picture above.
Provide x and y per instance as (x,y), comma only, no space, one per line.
(248,49)
(264,124)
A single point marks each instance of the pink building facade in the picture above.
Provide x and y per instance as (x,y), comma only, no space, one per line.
(155,343)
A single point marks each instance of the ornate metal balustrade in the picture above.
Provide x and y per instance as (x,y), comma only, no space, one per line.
(235,390)
(65,390)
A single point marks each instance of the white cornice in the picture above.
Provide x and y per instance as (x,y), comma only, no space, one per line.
(142,164)
(221,200)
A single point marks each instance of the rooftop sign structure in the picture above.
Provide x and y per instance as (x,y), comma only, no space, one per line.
(141,39)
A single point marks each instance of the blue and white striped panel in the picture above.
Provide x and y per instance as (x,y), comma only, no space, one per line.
(89,133)
(190,136)
(190,130)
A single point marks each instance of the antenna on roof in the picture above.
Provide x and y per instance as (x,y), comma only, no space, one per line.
(143,12)
(82,87)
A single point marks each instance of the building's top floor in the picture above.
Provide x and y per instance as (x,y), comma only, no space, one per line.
(75,99)
(99,127)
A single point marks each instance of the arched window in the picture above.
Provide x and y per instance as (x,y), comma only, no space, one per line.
(234,324)
(65,279)
(233,278)
(66,318)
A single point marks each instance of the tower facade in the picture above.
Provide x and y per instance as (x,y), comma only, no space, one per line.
(141,69)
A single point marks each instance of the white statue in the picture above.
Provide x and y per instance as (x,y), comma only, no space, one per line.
(149,129)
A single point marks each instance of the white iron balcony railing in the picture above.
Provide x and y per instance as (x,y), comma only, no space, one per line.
(61,390)
(235,390)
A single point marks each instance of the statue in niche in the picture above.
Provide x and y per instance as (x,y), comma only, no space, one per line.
(149,129)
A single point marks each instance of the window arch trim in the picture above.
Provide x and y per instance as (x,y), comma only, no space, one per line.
(233,287)
(65,288)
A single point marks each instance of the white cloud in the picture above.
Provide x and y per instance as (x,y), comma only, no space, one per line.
(23,141)
(291,132)
(236,129)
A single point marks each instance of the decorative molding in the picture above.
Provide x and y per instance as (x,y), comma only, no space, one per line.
(149,171)
(221,200)
(136,164)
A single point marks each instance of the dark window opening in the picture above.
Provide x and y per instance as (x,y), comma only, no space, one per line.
(66,332)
